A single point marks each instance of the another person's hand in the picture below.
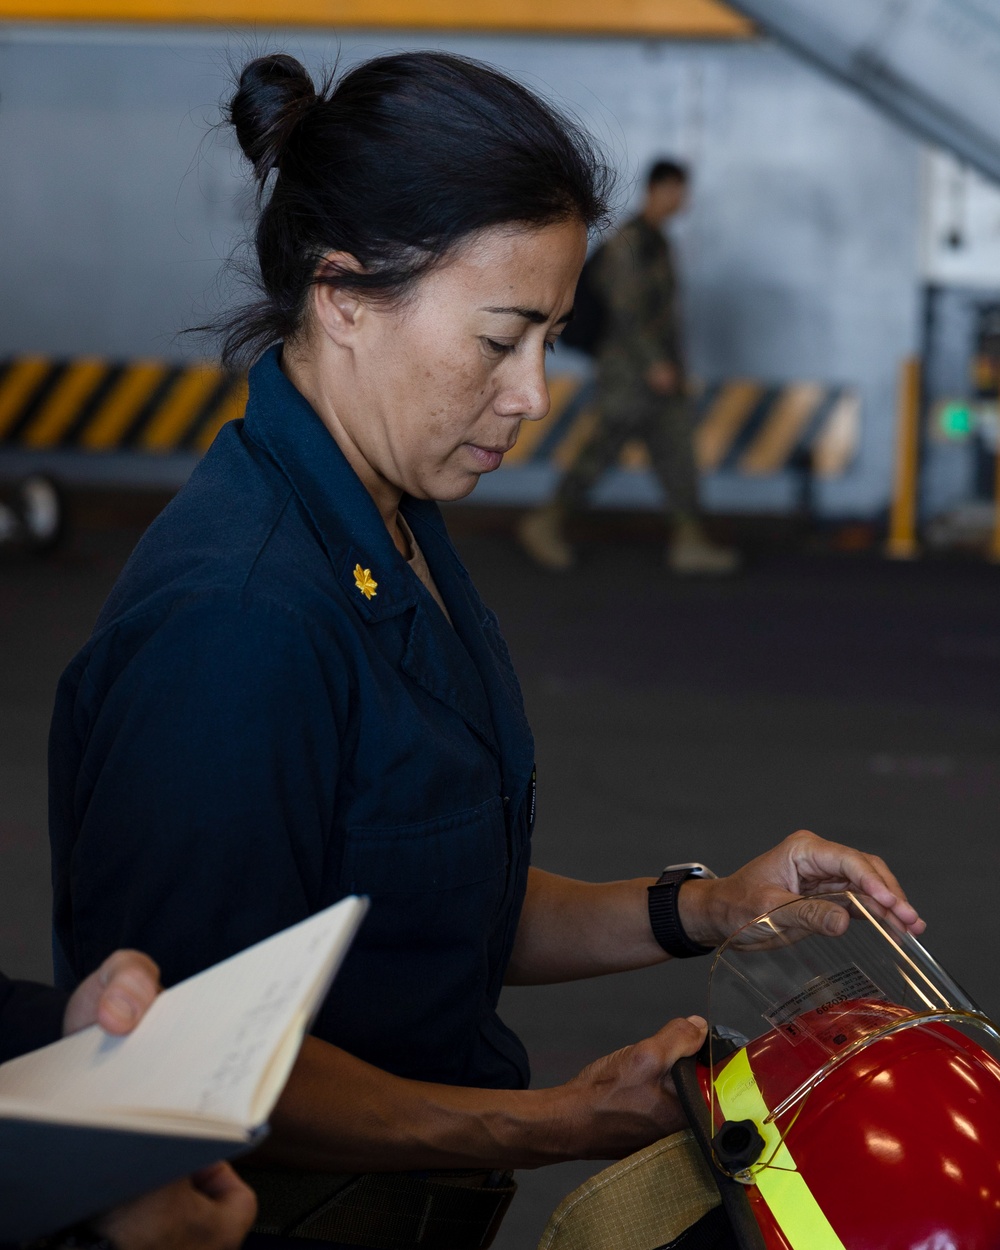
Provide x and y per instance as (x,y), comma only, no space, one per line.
(212,1210)
(627,1100)
(662,377)
(803,865)
(116,996)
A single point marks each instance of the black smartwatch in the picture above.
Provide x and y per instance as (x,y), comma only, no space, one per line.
(664,918)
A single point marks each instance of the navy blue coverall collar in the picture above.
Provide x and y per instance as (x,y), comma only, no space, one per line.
(281,421)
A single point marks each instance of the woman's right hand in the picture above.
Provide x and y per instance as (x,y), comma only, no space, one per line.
(340,1114)
(626,1101)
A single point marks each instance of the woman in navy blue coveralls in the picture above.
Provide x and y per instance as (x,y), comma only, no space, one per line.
(295,692)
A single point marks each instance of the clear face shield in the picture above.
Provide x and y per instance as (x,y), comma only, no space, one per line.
(799,1016)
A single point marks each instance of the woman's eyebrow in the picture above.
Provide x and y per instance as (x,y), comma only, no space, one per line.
(529,314)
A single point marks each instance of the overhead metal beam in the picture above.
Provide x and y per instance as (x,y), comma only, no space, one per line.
(669,19)
(933,65)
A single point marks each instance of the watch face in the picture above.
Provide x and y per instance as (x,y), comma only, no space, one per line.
(692,869)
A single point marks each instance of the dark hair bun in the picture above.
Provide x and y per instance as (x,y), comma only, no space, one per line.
(275,93)
(394,164)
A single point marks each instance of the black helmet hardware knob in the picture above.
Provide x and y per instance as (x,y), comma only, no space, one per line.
(737,1145)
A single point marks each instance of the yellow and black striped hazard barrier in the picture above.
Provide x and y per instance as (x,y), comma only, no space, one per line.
(742,426)
(147,406)
(92,405)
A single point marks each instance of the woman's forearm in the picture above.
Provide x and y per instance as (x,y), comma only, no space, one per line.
(340,1114)
(573,929)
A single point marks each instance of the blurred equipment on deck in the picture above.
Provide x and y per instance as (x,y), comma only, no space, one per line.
(32,515)
(961,472)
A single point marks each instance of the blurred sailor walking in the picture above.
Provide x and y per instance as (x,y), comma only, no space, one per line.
(628,317)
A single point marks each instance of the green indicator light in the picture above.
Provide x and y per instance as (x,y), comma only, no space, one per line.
(957,420)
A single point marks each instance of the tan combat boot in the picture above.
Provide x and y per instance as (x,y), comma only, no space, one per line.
(540,533)
(691,553)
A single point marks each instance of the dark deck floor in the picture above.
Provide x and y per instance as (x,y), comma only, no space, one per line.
(674,720)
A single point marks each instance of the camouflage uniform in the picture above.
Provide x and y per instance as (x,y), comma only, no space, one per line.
(635,275)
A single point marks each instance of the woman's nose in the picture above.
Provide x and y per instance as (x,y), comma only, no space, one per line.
(527,395)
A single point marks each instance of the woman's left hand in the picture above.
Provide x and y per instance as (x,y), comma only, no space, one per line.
(803,865)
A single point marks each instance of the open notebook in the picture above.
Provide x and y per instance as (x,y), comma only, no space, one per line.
(92,1121)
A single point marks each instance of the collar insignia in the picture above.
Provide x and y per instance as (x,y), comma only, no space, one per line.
(364,581)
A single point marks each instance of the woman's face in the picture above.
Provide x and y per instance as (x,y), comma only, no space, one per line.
(431,394)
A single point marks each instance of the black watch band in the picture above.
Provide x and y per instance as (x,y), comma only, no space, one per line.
(664,918)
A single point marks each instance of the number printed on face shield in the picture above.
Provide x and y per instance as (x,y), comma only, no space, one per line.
(822,996)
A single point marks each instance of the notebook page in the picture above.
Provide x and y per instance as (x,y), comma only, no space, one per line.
(205,1045)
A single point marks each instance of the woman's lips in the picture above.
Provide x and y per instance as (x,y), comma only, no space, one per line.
(488,458)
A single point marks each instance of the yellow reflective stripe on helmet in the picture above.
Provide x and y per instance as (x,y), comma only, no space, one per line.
(781,1185)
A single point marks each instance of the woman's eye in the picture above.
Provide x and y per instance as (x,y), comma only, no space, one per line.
(500,349)
(550,345)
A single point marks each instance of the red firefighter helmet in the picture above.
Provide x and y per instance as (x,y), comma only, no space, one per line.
(848,1096)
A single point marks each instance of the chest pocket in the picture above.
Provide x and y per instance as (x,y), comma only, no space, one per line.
(449,852)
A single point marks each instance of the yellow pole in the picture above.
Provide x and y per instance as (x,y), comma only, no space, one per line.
(902,541)
(995,544)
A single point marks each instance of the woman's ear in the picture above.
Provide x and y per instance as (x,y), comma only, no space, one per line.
(337,309)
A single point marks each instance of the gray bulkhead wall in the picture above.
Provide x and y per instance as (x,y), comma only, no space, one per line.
(933,64)
(118,203)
